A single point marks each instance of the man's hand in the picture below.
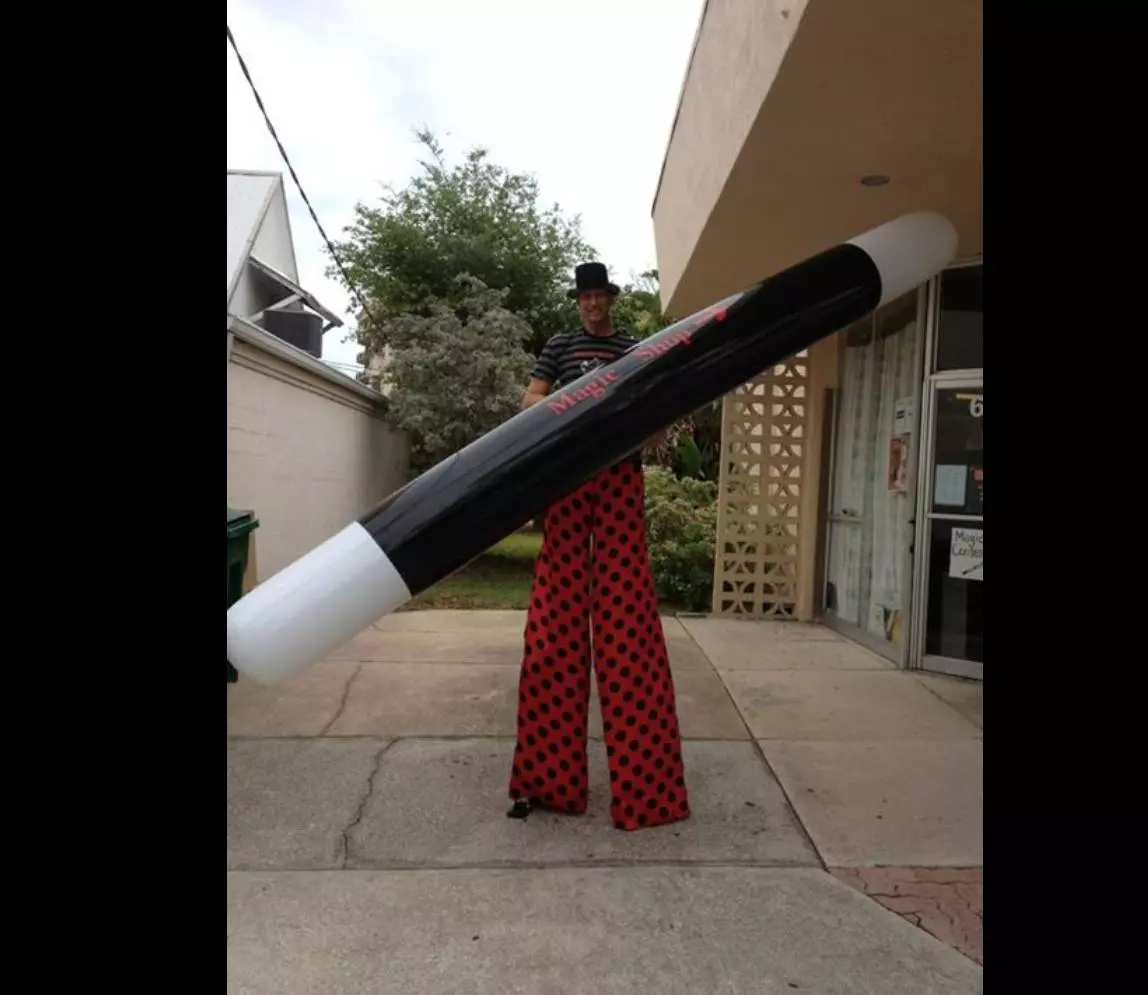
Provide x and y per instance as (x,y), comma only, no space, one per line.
(536,392)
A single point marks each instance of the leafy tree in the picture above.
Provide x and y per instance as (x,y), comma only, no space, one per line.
(473,218)
(638,307)
(456,372)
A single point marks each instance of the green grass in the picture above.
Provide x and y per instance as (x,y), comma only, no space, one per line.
(522,546)
(499,578)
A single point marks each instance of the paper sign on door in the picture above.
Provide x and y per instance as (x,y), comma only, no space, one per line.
(966,554)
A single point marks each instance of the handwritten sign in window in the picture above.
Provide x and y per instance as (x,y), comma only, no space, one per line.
(966,554)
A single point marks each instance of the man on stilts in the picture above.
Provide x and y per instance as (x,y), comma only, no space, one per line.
(593,598)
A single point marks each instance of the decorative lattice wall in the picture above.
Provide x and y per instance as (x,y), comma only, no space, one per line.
(764,425)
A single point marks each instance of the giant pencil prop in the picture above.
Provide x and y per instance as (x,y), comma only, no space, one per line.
(459,508)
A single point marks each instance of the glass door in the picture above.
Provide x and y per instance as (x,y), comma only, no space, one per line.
(950,591)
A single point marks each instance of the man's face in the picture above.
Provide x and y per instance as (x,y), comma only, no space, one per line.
(594,306)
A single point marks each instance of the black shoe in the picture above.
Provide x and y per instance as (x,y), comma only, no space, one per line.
(519,810)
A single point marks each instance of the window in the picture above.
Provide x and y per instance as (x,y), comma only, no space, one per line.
(870,507)
(961,332)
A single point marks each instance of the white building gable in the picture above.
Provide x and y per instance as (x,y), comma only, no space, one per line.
(257,225)
(262,272)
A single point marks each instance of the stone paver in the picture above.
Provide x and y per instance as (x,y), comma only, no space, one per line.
(437,620)
(289,801)
(576,931)
(502,646)
(303,706)
(967,697)
(944,901)
(729,641)
(883,768)
(396,700)
(448,619)
(444,803)
(447,637)
(393,700)
(796,654)
(909,803)
(685,654)
(841,705)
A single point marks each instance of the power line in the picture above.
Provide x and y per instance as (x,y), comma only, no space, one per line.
(294,176)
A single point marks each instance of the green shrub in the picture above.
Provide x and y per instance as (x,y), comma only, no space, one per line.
(681,529)
(692,445)
(689,458)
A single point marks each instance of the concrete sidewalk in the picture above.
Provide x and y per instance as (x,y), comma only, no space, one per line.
(835,844)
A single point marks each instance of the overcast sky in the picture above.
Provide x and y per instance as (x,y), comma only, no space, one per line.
(582,95)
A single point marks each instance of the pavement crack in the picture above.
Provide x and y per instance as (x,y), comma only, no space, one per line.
(342,704)
(760,753)
(362,806)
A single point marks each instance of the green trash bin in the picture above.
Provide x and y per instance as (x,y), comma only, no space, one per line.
(240,525)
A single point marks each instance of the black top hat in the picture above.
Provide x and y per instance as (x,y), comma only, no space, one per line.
(591,276)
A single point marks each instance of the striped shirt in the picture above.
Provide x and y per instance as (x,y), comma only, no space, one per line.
(570,355)
(573,354)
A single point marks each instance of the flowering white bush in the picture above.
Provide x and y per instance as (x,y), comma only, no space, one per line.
(454,376)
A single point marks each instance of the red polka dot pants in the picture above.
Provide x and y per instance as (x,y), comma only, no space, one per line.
(608,603)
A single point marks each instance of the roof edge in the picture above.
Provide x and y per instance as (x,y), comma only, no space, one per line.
(678,109)
(255,172)
(333,320)
(245,331)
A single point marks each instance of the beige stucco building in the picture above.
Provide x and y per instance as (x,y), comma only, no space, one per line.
(852,476)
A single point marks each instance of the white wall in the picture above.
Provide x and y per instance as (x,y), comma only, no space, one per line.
(247,195)
(273,244)
(306,454)
(257,203)
(244,302)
